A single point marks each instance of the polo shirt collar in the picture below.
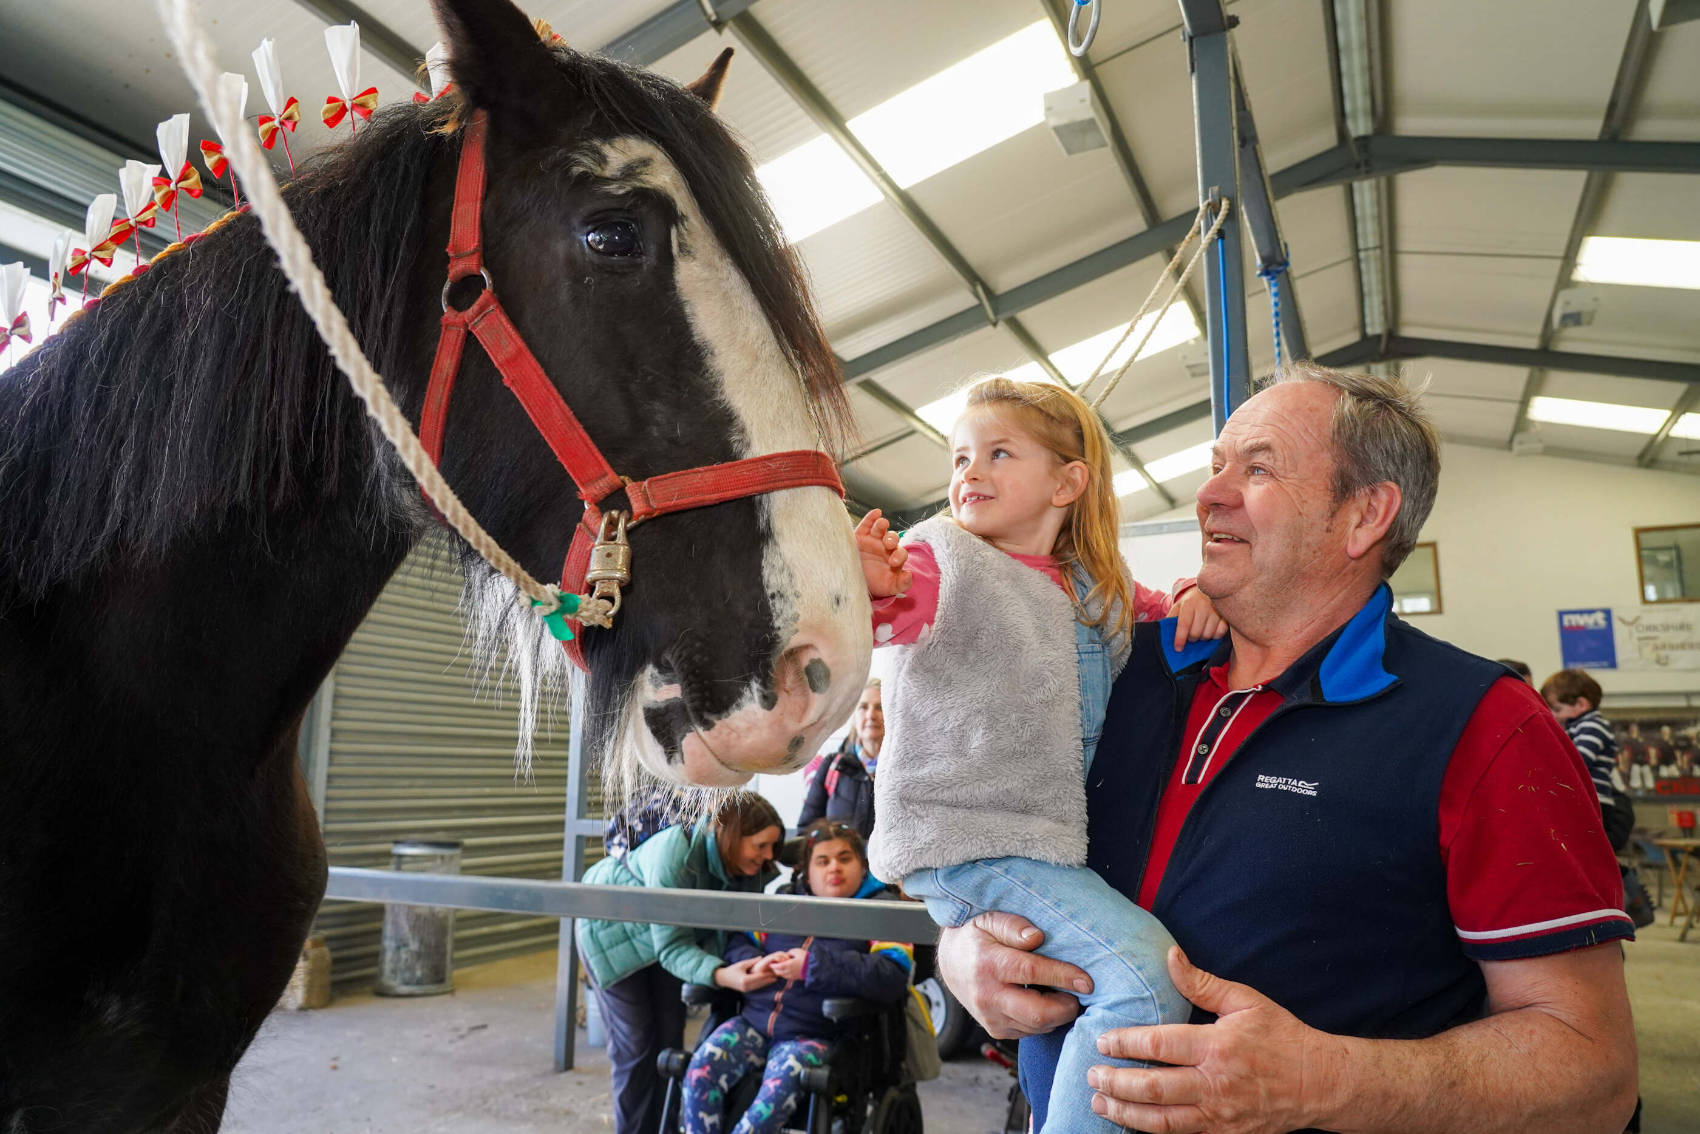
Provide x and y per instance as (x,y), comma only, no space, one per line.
(1346,666)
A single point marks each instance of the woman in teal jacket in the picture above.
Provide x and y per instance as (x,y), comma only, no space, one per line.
(636,969)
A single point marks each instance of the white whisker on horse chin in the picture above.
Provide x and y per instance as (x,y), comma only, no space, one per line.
(506,642)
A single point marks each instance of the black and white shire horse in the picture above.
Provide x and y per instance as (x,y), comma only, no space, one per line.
(195,514)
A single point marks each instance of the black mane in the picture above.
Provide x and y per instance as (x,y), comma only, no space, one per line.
(200,387)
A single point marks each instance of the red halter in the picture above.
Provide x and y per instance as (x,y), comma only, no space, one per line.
(589,469)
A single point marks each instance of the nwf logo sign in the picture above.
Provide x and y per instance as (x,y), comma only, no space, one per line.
(1585,639)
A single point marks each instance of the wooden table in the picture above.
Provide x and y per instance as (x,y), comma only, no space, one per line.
(1678,854)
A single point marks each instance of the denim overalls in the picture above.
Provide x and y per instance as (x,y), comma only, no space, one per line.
(1093,654)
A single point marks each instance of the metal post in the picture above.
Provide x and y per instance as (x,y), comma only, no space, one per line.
(572,868)
(1210,57)
(1257,205)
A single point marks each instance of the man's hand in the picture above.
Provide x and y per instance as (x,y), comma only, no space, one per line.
(987,963)
(1195,618)
(882,557)
(1256,1070)
(744,976)
(788,965)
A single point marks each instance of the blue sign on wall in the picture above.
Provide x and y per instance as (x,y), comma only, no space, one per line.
(1585,639)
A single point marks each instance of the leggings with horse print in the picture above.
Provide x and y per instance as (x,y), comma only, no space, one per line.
(733,1051)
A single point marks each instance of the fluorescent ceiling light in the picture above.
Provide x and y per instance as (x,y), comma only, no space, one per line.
(1597,415)
(1077,362)
(1687,427)
(1165,469)
(1174,327)
(1643,263)
(968,107)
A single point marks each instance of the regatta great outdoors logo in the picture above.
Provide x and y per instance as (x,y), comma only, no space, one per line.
(1288,783)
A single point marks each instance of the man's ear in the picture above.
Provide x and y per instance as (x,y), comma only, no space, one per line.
(1371,513)
(496,58)
(1072,484)
(707,86)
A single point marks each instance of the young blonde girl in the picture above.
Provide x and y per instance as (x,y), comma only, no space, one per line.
(1011,616)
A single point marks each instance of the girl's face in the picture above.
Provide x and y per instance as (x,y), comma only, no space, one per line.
(835,871)
(1006,487)
(754,852)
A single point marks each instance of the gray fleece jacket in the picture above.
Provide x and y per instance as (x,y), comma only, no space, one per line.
(982,757)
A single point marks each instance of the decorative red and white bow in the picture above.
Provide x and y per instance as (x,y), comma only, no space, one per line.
(271,125)
(362,104)
(102,251)
(20,329)
(165,189)
(213,155)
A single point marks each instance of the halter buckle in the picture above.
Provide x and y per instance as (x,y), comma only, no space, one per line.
(610,560)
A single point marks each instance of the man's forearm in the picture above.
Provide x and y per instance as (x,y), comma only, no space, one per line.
(1522,1070)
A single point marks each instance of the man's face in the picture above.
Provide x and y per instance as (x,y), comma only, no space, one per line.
(870,719)
(1267,512)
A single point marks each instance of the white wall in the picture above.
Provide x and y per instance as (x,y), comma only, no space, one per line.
(1519,538)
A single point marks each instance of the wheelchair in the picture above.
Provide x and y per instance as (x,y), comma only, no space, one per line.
(865,1088)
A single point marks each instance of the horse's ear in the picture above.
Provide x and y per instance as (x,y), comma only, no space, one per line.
(496,57)
(708,86)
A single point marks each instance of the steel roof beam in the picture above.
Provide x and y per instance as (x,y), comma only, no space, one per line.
(1382,155)
(1393,348)
(1093,266)
(1684,405)
(1215,96)
(1626,88)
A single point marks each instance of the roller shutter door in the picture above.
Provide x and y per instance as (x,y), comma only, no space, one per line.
(417,748)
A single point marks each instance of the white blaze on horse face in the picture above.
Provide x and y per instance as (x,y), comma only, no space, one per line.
(809,567)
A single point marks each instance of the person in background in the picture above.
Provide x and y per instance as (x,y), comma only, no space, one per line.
(1521,668)
(841,786)
(782,1030)
(1574,698)
(636,969)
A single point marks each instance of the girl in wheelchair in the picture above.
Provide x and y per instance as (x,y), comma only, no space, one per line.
(782,1030)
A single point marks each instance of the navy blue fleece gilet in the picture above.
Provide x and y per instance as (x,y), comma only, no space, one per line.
(1309,868)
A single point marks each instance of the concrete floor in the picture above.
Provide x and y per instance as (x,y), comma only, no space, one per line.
(479,1060)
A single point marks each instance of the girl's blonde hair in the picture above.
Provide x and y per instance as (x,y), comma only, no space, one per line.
(1061,421)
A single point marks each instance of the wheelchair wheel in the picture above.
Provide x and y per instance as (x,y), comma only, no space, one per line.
(898,1112)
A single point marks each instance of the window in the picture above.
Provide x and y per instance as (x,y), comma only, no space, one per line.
(1416,584)
(1668,559)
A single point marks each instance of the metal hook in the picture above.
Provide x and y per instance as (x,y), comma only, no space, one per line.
(1078,50)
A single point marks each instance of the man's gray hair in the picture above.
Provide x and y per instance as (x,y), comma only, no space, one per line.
(1380,433)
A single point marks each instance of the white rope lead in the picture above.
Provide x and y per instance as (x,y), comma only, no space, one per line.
(1168,300)
(265,198)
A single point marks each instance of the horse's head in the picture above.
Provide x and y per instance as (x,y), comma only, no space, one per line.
(625,234)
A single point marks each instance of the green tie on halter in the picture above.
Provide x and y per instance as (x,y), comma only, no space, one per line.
(556,620)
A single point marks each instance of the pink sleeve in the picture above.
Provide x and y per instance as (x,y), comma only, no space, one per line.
(1154,606)
(902,619)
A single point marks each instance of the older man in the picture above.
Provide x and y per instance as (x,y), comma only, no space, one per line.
(1380,852)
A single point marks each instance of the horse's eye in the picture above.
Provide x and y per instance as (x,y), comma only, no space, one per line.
(614,238)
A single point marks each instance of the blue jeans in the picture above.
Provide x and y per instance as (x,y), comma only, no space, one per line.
(1086,923)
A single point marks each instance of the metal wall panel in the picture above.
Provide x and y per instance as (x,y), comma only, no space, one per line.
(418,748)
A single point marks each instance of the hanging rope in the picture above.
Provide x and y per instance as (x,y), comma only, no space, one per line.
(1272,274)
(1192,233)
(296,258)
